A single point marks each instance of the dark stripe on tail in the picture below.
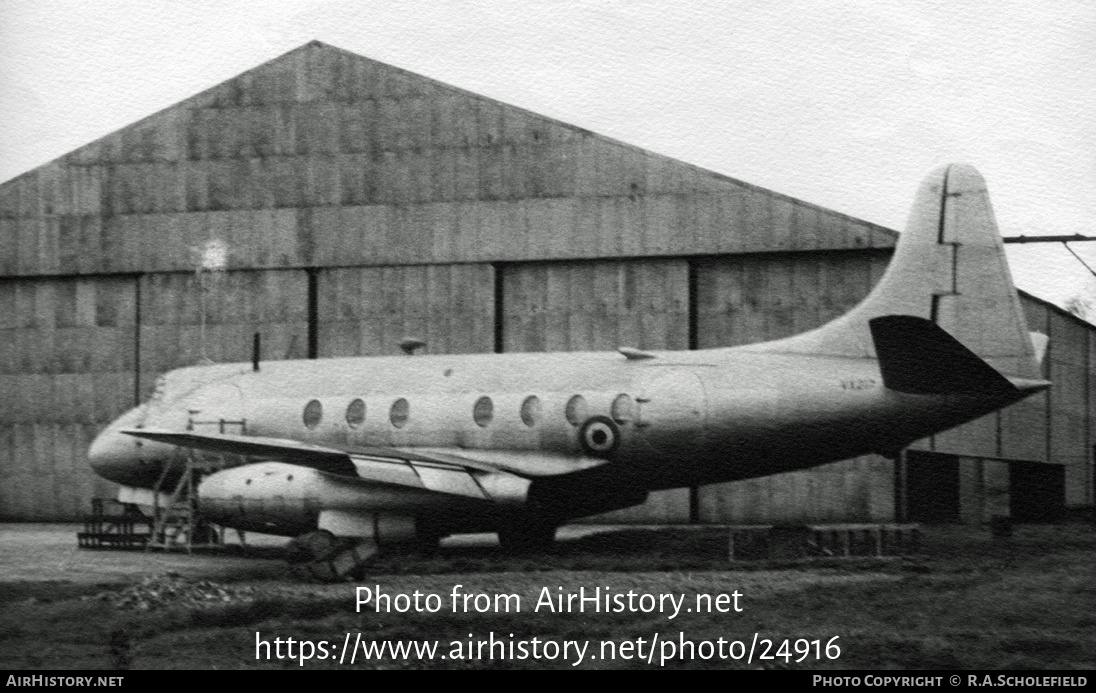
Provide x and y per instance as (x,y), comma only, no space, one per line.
(918,357)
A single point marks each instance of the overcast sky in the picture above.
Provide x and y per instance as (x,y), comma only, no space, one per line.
(847,104)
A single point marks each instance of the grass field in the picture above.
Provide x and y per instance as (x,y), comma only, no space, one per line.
(968,601)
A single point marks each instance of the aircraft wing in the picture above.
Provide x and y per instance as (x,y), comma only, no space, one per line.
(293,451)
(434,470)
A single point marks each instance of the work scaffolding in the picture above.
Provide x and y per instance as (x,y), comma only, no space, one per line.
(176,522)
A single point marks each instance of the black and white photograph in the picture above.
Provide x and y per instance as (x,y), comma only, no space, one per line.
(557,334)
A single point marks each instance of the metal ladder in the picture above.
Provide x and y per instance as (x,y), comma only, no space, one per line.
(178,523)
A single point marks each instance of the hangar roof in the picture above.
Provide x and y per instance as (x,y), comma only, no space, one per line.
(322,157)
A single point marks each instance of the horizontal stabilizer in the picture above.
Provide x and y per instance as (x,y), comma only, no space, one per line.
(917,356)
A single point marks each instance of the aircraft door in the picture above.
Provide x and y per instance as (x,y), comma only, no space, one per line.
(672,410)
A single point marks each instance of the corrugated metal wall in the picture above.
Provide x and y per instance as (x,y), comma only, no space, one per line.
(596,306)
(67,350)
(856,490)
(367,311)
(747,299)
(1069,412)
(362,204)
(238,304)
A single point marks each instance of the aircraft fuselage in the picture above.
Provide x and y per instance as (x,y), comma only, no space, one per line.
(677,419)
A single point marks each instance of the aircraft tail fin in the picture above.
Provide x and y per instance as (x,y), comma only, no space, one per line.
(949,268)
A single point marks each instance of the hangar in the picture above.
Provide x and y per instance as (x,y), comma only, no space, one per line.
(358,204)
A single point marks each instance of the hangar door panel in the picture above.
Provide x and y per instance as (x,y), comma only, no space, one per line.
(594,306)
(932,487)
(1037,491)
(368,311)
(237,305)
(745,299)
(855,490)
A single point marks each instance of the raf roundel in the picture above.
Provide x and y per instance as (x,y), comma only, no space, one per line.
(599,436)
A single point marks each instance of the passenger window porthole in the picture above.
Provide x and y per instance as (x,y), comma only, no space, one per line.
(623,409)
(483,411)
(530,411)
(575,410)
(313,413)
(400,413)
(355,413)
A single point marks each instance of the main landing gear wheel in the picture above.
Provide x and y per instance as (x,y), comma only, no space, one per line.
(323,557)
(527,536)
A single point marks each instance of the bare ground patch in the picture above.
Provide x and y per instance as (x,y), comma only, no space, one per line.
(967,601)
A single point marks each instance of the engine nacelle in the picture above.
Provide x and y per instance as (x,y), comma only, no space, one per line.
(382,528)
(270,497)
(289,500)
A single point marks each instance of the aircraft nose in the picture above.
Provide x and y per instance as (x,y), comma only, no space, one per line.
(114,455)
